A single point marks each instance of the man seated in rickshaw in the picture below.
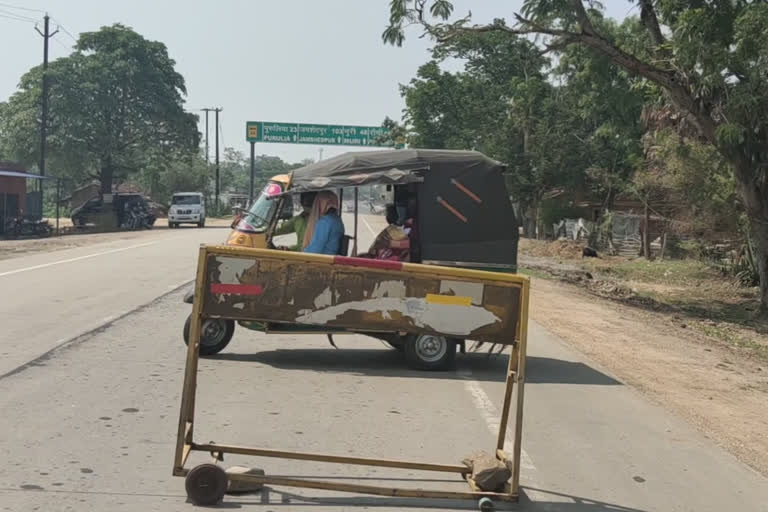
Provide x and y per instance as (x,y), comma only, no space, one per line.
(393,242)
(298,223)
(325,230)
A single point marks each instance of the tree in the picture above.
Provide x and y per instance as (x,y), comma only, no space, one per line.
(116,107)
(504,103)
(710,59)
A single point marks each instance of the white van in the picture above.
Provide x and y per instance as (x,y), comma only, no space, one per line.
(187,207)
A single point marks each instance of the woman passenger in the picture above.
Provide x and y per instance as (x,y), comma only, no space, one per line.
(325,230)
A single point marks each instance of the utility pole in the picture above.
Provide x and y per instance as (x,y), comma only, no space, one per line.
(217,110)
(44,115)
(207,153)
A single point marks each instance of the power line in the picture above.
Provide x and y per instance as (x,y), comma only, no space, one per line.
(57,41)
(64,29)
(11,6)
(16,18)
(221,131)
(20,16)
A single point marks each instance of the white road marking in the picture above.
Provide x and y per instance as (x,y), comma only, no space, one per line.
(70,260)
(491,416)
(368,226)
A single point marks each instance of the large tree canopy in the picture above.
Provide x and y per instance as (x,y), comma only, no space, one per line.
(116,107)
(552,128)
(710,60)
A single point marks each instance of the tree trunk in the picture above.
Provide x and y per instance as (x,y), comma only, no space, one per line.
(105,176)
(646,236)
(760,236)
(755,197)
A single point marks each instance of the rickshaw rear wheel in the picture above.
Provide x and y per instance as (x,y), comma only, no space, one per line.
(430,352)
(215,336)
(206,484)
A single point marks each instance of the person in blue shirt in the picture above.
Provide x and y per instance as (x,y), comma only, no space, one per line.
(325,230)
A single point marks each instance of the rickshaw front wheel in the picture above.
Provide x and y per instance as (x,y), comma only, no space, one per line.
(430,352)
(214,336)
(206,484)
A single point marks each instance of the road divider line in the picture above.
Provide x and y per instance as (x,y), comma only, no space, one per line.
(491,416)
(368,226)
(79,258)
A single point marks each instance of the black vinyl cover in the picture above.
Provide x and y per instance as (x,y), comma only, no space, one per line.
(465,215)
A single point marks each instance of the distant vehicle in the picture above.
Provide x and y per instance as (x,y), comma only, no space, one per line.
(119,210)
(187,208)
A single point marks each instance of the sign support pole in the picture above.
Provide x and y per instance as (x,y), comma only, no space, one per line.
(354,243)
(253,171)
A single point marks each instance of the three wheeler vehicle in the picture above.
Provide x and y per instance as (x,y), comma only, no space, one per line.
(462,219)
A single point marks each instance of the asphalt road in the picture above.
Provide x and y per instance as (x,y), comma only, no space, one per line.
(91,424)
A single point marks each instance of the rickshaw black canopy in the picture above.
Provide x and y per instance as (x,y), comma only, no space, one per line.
(464,214)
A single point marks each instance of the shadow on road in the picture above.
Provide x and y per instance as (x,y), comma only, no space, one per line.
(390,363)
(561,502)
(546,370)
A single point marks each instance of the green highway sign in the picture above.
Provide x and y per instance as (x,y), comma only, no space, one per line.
(320,134)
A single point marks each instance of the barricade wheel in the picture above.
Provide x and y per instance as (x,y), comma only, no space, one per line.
(206,484)
(486,505)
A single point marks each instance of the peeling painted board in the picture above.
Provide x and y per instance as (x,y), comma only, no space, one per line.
(451,319)
(294,287)
(463,288)
(395,288)
(231,270)
(348,286)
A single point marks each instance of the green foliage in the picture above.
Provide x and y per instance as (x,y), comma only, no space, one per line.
(584,131)
(116,107)
(688,181)
(701,67)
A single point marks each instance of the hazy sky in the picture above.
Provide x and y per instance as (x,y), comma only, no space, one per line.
(314,61)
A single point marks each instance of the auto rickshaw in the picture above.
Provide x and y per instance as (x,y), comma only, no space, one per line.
(462,217)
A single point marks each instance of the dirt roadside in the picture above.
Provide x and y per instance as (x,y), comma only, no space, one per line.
(16,248)
(705,381)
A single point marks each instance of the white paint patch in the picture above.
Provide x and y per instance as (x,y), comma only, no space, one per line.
(232,269)
(239,305)
(463,289)
(395,289)
(324,299)
(79,258)
(444,318)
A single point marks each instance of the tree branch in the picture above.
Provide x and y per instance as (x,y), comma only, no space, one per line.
(582,16)
(669,80)
(651,21)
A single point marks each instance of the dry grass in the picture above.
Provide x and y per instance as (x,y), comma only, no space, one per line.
(699,296)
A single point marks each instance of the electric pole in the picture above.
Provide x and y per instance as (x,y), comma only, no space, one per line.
(217,110)
(207,153)
(207,158)
(44,115)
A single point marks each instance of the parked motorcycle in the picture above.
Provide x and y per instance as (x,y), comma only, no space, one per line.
(18,227)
